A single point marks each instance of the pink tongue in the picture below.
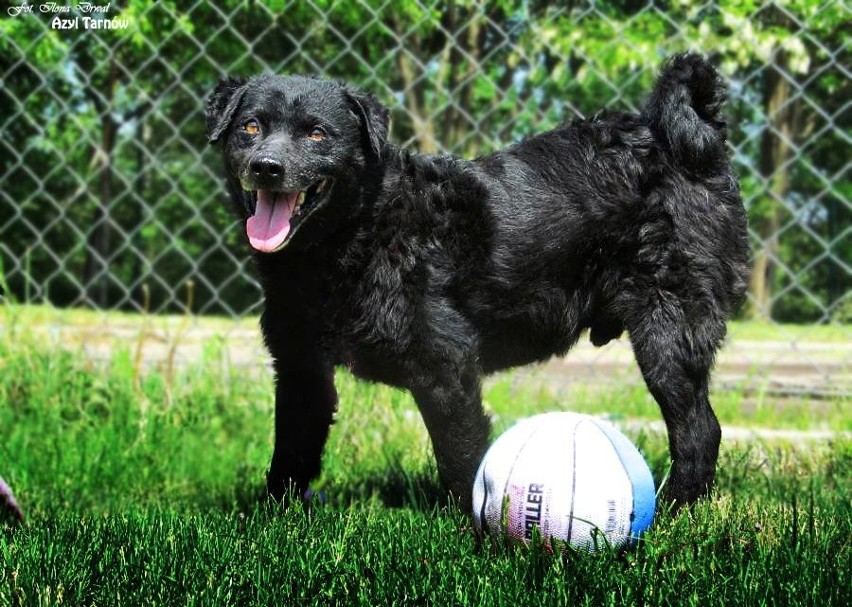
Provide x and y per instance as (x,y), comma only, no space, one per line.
(267,229)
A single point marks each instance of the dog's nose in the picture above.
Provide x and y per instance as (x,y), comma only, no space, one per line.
(266,168)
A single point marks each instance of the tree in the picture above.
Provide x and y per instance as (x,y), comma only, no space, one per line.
(107,186)
(784,60)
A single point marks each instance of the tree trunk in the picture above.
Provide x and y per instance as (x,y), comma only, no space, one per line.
(775,156)
(463,58)
(96,269)
(140,186)
(424,130)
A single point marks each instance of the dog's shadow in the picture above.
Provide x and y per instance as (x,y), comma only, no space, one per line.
(395,489)
(392,488)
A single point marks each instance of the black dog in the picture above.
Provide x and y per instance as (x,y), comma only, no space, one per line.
(428,272)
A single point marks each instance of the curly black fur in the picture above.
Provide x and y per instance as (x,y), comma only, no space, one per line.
(427,272)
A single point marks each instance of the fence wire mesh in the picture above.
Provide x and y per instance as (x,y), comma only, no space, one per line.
(109,197)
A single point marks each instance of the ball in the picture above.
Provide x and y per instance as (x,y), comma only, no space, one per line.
(564,476)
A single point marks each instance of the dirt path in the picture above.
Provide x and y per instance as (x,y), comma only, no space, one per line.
(741,434)
(813,369)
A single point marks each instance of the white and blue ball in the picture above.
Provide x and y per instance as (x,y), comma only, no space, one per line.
(569,476)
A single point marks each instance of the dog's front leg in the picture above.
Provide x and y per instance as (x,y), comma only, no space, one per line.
(451,406)
(305,401)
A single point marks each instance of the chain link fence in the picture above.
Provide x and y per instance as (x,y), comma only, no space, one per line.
(110,198)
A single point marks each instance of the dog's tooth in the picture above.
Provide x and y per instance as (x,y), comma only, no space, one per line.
(321,186)
(300,199)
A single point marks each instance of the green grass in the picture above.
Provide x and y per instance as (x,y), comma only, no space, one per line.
(788,332)
(143,489)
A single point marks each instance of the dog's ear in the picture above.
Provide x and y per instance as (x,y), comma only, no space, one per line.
(373,116)
(221,106)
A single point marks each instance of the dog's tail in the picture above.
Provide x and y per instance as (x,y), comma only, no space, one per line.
(685,112)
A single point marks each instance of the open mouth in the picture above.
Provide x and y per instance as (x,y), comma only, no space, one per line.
(276,215)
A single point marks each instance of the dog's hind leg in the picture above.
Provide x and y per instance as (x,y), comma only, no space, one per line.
(675,353)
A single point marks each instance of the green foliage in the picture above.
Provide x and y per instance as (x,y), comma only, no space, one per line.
(464,76)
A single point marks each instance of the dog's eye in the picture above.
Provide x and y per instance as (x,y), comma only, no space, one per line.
(317,133)
(251,127)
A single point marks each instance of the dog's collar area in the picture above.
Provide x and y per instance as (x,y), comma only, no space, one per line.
(276,215)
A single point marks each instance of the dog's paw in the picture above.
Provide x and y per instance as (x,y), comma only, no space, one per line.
(287,493)
(314,497)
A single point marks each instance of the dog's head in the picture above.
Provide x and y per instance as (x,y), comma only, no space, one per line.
(295,150)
